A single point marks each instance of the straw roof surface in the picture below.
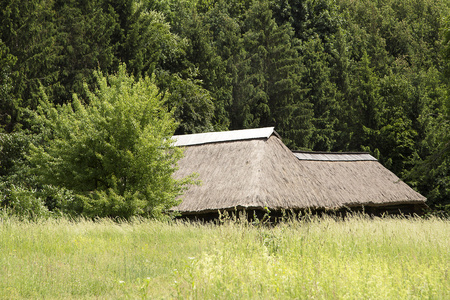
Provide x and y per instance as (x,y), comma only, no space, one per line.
(260,171)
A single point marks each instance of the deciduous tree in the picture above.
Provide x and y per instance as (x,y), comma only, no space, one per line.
(115,154)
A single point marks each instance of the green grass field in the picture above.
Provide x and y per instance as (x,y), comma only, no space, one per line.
(359,258)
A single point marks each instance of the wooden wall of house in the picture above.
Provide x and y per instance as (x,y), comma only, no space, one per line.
(275,216)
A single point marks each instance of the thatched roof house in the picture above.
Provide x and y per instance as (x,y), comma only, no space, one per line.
(252,169)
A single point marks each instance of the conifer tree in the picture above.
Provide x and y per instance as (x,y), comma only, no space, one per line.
(9,106)
(272,96)
(321,92)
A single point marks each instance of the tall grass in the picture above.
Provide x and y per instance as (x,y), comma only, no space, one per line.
(323,258)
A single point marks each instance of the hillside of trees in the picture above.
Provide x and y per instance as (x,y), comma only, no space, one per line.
(330,75)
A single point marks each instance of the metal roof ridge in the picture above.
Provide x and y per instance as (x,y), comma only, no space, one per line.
(334,156)
(329,152)
(223,136)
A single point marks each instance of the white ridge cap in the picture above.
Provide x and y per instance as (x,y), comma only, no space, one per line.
(223,136)
(334,156)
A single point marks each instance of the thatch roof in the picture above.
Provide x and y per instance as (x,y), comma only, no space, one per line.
(255,170)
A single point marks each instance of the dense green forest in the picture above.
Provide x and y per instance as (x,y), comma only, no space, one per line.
(342,75)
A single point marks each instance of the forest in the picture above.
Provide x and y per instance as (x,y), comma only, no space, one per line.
(329,75)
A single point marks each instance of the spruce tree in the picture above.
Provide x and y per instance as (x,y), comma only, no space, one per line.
(271,93)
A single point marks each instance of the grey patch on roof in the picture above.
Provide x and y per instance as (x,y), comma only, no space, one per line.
(336,156)
(223,136)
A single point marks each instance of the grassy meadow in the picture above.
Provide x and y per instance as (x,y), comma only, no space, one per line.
(356,258)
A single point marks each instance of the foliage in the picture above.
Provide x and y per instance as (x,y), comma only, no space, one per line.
(24,203)
(16,196)
(115,154)
(267,83)
(192,105)
(446,50)
(340,75)
(21,194)
(8,106)
(84,43)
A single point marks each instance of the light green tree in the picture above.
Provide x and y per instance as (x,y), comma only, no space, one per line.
(115,154)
